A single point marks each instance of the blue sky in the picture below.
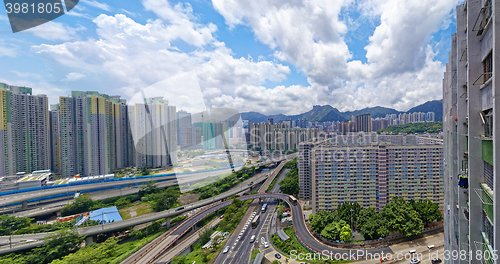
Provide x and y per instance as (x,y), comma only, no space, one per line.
(267,56)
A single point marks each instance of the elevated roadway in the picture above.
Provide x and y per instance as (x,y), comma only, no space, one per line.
(26,196)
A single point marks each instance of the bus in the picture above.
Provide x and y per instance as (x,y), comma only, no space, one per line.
(293,200)
(264,207)
(255,221)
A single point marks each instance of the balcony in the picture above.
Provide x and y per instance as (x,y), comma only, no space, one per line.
(485,194)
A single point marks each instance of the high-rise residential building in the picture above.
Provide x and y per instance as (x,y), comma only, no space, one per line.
(55,138)
(370,171)
(122,140)
(24,130)
(270,121)
(215,134)
(304,167)
(266,136)
(190,137)
(430,117)
(364,123)
(154,129)
(95,136)
(470,129)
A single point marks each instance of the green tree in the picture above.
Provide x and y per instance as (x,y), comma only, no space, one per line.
(163,200)
(344,211)
(400,216)
(345,233)
(93,253)
(81,204)
(179,260)
(57,245)
(427,211)
(145,170)
(10,224)
(205,235)
(148,188)
(321,219)
(333,230)
(370,224)
(122,201)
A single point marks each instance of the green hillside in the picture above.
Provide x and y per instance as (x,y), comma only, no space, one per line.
(420,128)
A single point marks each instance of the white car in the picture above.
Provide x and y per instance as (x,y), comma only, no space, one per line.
(226,249)
(266,245)
(415,261)
(430,246)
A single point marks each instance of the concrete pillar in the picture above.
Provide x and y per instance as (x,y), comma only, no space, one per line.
(58,213)
(25,204)
(167,222)
(89,240)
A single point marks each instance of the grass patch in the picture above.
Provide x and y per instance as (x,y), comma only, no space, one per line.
(254,253)
(139,208)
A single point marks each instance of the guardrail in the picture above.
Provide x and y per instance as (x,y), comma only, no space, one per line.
(204,213)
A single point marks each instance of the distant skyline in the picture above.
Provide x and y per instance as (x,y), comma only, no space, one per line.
(268,56)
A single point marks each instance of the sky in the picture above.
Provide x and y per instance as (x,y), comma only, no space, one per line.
(268,56)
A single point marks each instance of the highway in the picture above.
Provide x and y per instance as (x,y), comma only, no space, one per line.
(154,250)
(242,251)
(109,227)
(47,208)
(22,197)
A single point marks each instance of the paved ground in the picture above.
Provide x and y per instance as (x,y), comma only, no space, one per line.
(420,245)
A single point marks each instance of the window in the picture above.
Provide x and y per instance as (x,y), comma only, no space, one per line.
(488,229)
(488,174)
(487,67)
(488,122)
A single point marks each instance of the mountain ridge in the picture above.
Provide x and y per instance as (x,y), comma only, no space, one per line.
(329,113)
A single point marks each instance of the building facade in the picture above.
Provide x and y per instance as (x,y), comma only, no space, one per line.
(154,129)
(370,171)
(469,127)
(24,130)
(364,123)
(279,136)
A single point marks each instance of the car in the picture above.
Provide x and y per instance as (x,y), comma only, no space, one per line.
(226,249)
(266,245)
(222,216)
(384,259)
(436,260)
(430,246)
(252,239)
(413,251)
(415,261)
(277,255)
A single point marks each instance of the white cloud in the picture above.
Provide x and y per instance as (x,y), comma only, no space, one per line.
(7,49)
(307,34)
(401,71)
(138,55)
(73,76)
(182,22)
(55,31)
(96,4)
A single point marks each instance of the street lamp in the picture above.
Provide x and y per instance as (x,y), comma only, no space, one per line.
(352,230)
(10,238)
